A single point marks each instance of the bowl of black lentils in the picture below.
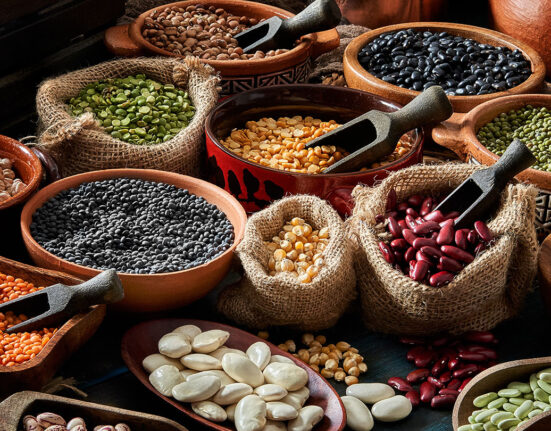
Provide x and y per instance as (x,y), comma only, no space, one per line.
(170,237)
(472,64)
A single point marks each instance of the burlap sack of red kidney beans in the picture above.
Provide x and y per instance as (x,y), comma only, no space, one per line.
(485,292)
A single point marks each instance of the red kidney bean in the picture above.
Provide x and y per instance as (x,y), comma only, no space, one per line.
(402,224)
(419,220)
(465,383)
(418,375)
(484,337)
(392,214)
(422,256)
(490,354)
(427,392)
(426,227)
(394,227)
(440,341)
(448,391)
(399,384)
(461,347)
(411,212)
(413,397)
(483,231)
(431,251)
(472,237)
(481,368)
(426,206)
(424,358)
(439,367)
(436,216)
(391,200)
(479,248)
(457,254)
(454,384)
(409,236)
(434,235)
(461,238)
(387,252)
(443,401)
(446,263)
(420,270)
(446,234)
(413,352)
(412,264)
(398,256)
(409,254)
(441,278)
(466,371)
(435,382)
(402,207)
(447,352)
(445,377)
(379,218)
(399,244)
(422,242)
(454,364)
(415,200)
(472,356)
(446,223)
(410,221)
(452,215)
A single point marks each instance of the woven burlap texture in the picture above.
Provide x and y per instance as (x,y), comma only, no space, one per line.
(260,300)
(80,145)
(486,292)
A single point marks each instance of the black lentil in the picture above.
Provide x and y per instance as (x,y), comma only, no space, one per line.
(419,59)
(132,225)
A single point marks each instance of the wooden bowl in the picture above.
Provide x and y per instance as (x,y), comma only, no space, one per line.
(458,133)
(36,372)
(151,292)
(141,340)
(254,185)
(14,408)
(495,378)
(357,77)
(237,75)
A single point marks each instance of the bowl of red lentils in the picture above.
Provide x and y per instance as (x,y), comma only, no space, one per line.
(256,140)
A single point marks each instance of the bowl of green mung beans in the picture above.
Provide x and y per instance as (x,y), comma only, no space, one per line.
(483,134)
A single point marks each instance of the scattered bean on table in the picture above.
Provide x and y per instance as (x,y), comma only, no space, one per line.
(135,109)
(418,60)
(132,225)
(202,31)
(530,124)
(55,422)
(10,185)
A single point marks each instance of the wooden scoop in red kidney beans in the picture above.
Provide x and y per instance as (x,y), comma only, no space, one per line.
(424,244)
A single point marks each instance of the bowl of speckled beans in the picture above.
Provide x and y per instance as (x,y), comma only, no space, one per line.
(170,237)
(483,134)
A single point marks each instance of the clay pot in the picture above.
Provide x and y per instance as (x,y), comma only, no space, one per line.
(357,77)
(254,185)
(525,20)
(151,292)
(237,75)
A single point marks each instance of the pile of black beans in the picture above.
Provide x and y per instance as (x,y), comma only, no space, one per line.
(418,60)
(133,226)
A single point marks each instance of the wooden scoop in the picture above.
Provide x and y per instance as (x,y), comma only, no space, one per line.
(498,377)
(375,134)
(477,197)
(57,303)
(276,33)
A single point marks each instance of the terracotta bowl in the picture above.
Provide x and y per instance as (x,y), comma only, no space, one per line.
(459,135)
(357,77)
(255,186)
(544,273)
(237,76)
(151,292)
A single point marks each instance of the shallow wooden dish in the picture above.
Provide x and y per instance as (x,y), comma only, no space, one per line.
(36,372)
(171,290)
(357,77)
(141,341)
(498,377)
(14,408)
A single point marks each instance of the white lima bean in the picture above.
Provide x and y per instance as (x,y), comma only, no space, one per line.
(154,361)
(221,351)
(209,410)
(165,378)
(190,330)
(278,411)
(358,416)
(186,373)
(230,411)
(209,341)
(201,362)
(281,358)
(392,409)
(259,353)
(199,389)
(274,426)
(224,378)
(270,392)
(174,345)
(370,393)
(307,418)
(231,394)
(250,414)
(288,376)
(297,398)
(242,369)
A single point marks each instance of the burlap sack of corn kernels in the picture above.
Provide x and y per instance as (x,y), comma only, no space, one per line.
(79,144)
(260,300)
(487,291)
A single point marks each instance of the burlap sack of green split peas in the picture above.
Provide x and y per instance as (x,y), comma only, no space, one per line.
(487,291)
(79,144)
(261,300)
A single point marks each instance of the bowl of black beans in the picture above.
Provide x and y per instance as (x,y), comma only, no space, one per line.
(472,64)
(170,237)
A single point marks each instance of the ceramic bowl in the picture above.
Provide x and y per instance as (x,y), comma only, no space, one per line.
(292,66)
(459,135)
(151,292)
(357,77)
(254,185)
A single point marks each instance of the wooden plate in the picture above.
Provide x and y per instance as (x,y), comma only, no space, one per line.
(36,372)
(141,341)
(13,409)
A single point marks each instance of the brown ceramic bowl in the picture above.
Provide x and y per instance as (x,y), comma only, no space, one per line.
(237,75)
(151,292)
(357,77)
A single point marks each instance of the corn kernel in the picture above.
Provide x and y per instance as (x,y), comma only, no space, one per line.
(279,254)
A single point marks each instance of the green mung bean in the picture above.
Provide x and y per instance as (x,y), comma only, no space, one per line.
(135,109)
(532,125)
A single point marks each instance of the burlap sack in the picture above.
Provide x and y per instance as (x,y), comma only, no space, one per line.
(261,300)
(486,292)
(79,144)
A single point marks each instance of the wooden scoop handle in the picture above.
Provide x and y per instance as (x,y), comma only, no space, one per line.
(319,16)
(517,157)
(104,288)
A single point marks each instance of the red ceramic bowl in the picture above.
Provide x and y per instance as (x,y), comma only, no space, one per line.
(255,186)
